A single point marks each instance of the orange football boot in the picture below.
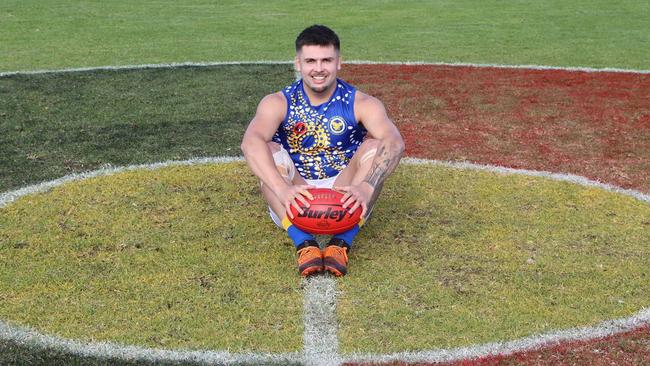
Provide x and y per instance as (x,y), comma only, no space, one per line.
(310,260)
(335,260)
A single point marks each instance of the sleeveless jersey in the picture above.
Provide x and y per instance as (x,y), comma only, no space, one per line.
(322,139)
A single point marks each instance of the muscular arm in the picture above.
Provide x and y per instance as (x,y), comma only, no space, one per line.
(374,117)
(372,114)
(385,162)
(270,113)
(268,117)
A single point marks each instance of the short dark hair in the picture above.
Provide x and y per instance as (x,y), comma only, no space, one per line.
(317,35)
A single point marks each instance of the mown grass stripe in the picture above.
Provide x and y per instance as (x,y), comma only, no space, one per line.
(354,62)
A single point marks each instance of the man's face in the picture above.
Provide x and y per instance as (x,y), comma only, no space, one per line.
(318,66)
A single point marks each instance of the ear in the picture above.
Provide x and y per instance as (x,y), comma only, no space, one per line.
(338,67)
(296,63)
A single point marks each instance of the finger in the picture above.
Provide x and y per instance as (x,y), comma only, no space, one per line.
(297,206)
(364,209)
(287,208)
(294,203)
(345,197)
(350,201)
(304,190)
(354,207)
(304,201)
(307,194)
(346,194)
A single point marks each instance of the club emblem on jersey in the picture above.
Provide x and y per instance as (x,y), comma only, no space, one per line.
(337,125)
(299,128)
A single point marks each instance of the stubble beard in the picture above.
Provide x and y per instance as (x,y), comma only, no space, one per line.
(320,89)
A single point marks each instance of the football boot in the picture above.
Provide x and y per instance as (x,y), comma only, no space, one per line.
(310,258)
(335,258)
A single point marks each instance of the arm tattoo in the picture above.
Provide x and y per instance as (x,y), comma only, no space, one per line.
(383,165)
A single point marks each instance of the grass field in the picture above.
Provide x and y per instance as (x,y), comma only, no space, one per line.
(152,259)
(57,124)
(63,34)
(177,258)
(461,258)
(53,124)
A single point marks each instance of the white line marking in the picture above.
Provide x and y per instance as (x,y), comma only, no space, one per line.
(8,197)
(107,350)
(354,62)
(604,329)
(320,329)
(564,177)
(504,66)
(143,66)
(321,345)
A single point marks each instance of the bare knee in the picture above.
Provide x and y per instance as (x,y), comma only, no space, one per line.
(369,144)
(282,161)
(367,150)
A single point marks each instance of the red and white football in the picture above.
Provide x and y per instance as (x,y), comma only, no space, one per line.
(326,214)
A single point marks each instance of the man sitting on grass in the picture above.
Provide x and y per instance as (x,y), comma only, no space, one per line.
(332,136)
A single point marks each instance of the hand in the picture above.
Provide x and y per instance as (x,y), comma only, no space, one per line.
(356,196)
(293,196)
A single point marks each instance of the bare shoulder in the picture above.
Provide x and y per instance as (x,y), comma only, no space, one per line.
(368,109)
(273,101)
(272,108)
(364,100)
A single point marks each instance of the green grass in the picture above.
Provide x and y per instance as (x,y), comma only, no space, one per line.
(51,125)
(453,258)
(187,257)
(172,258)
(56,124)
(38,35)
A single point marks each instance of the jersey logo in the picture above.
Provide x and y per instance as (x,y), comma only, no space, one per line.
(299,128)
(337,125)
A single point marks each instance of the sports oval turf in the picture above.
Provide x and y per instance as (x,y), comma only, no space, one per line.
(187,257)
(180,257)
(456,257)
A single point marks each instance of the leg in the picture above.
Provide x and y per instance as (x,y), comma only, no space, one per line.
(360,164)
(335,256)
(287,171)
(358,169)
(309,255)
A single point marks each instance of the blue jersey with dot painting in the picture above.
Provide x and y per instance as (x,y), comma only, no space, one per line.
(321,139)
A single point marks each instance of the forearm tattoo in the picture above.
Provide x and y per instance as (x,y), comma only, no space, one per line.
(381,168)
(383,165)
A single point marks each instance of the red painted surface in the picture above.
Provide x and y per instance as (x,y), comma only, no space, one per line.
(631,348)
(595,125)
(591,124)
